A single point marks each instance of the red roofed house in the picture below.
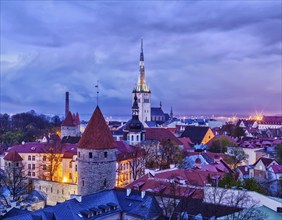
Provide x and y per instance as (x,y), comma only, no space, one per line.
(270,122)
(261,166)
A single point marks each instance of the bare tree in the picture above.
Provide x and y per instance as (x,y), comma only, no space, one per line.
(237,156)
(242,204)
(51,160)
(170,154)
(137,163)
(14,179)
(170,192)
(151,153)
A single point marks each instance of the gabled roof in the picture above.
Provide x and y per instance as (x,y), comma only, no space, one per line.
(277,169)
(157,111)
(13,156)
(160,134)
(97,134)
(265,161)
(195,133)
(243,169)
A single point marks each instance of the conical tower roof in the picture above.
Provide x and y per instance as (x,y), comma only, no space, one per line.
(13,156)
(97,134)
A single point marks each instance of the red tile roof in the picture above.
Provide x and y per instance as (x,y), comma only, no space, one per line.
(160,134)
(243,169)
(97,134)
(37,147)
(69,120)
(187,143)
(271,120)
(13,156)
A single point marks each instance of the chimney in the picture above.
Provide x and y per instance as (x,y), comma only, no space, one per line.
(77,197)
(67,104)
(128,191)
(143,193)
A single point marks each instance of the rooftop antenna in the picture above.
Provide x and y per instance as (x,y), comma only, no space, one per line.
(97,88)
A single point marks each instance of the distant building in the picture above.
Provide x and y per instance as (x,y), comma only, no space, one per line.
(71,124)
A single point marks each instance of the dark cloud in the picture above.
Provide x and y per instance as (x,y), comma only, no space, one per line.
(201,57)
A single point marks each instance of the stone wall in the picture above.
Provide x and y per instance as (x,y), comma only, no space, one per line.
(55,191)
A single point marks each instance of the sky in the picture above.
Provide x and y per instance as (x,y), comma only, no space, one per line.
(201,57)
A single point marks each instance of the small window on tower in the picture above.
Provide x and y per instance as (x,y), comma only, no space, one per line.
(105,154)
(78,154)
(105,182)
(90,154)
(82,182)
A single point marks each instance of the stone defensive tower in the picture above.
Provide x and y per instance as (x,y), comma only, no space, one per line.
(96,156)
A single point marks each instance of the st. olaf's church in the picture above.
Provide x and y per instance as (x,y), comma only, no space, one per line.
(149,116)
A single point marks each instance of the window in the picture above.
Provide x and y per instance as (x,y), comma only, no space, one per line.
(132,137)
(137,138)
(70,176)
(78,154)
(105,182)
(51,189)
(33,173)
(29,173)
(9,164)
(44,158)
(33,158)
(33,166)
(70,165)
(57,191)
(90,154)
(82,182)
(29,166)
(17,164)
(44,167)
(75,167)
(62,191)
(29,157)
(105,154)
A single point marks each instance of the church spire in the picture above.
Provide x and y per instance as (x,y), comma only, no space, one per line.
(141,86)
(135,108)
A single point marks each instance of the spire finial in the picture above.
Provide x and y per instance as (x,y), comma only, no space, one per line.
(141,53)
(97,89)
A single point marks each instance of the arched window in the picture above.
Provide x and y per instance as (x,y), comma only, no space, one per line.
(137,137)
(132,137)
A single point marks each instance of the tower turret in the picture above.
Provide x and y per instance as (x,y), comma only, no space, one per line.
(96,161)
(134,129)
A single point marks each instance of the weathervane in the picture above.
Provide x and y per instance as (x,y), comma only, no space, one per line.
(97,88)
